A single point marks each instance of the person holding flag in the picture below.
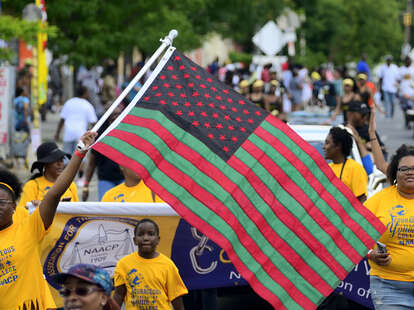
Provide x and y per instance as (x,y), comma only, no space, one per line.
(245,180)
(22,284)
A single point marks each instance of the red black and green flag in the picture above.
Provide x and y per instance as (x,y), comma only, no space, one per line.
(244,179)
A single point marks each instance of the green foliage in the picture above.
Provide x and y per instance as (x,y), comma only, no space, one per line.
(340,30)
(12,27)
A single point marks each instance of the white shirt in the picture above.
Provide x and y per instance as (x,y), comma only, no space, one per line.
(406,77)
(78,113)
(389,75)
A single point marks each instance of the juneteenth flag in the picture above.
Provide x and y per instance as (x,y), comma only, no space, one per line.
(246,180)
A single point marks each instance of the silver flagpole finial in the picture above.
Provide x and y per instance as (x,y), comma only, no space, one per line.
(170,38)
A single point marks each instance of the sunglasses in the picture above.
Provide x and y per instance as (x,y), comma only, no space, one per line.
(80,291)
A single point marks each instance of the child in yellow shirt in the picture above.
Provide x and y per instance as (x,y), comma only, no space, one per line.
(148,279)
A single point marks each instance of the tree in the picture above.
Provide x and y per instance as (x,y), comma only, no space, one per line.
(341,30)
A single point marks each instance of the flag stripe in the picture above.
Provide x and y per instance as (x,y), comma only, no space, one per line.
(262,206)
(313,188)
(317,278)
(324,173)
(314,210)
(200,197)
(261,289)
(138,149)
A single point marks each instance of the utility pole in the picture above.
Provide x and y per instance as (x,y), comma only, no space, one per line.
(407,21)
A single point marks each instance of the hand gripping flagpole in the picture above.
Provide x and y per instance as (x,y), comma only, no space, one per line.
(167,41)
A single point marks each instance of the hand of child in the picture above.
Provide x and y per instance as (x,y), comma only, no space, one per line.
(87,139)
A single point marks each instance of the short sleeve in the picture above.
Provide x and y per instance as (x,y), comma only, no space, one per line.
(92,115)
(119,275)
(359,181)
(64,112)
(372,203)
(175,285)
(34,226)
(29,193)
(74,191)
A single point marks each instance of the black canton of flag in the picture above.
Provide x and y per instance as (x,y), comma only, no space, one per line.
(197,102)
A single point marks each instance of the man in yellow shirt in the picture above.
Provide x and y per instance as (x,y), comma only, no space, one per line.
(337,147)
(132,190)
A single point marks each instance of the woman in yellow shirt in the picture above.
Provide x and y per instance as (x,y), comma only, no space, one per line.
(49,165)
(392,270)
(22,284)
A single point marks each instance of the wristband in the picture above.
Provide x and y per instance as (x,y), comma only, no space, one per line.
(373,139)
(86,183)
(369,254)
(79,154)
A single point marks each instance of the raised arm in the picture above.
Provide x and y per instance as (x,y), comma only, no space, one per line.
(90,169)
(379,159)
(51,200)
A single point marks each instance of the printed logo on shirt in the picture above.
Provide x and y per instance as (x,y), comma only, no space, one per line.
(401,226)
(142,296)
(8,272)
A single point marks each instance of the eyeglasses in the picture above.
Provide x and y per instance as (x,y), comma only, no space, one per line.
(405,169)
(5,202)
(80,291)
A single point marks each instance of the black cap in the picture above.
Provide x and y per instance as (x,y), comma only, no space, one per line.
(46,153)
(360,107)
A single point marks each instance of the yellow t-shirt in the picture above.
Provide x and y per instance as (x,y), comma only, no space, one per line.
(21,277)
(149,282)
(397,214)
(137,193)
(353,176)
(36,189)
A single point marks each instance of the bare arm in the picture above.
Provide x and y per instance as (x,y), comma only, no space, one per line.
(361,147)
(90,169)
(59,129)
(51,200)
(119,294)
(178,303)
(379,159)
(337,111)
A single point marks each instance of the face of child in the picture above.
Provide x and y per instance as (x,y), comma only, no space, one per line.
(147,239)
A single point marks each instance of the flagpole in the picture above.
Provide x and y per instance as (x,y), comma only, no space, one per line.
(167,41)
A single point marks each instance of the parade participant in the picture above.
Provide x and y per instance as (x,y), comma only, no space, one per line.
(273,101)
(406,89)
(377,153)
(388,80)
(132,190)
(345,99)
(147,277)
(49,165)
(358,114)
(244,89)
(296,88)
(392,266)
(337,147)
(77,114)
(109,174)
(21,135)
(86,287)
(257,95)
(362,66)
(22,284)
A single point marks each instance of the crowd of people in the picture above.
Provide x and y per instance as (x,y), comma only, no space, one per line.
(353,96)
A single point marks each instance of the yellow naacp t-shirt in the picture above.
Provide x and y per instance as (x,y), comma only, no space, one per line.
(36,189)
(150,283)
(353,176)
(21,278)
(397,214)
(137,193)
